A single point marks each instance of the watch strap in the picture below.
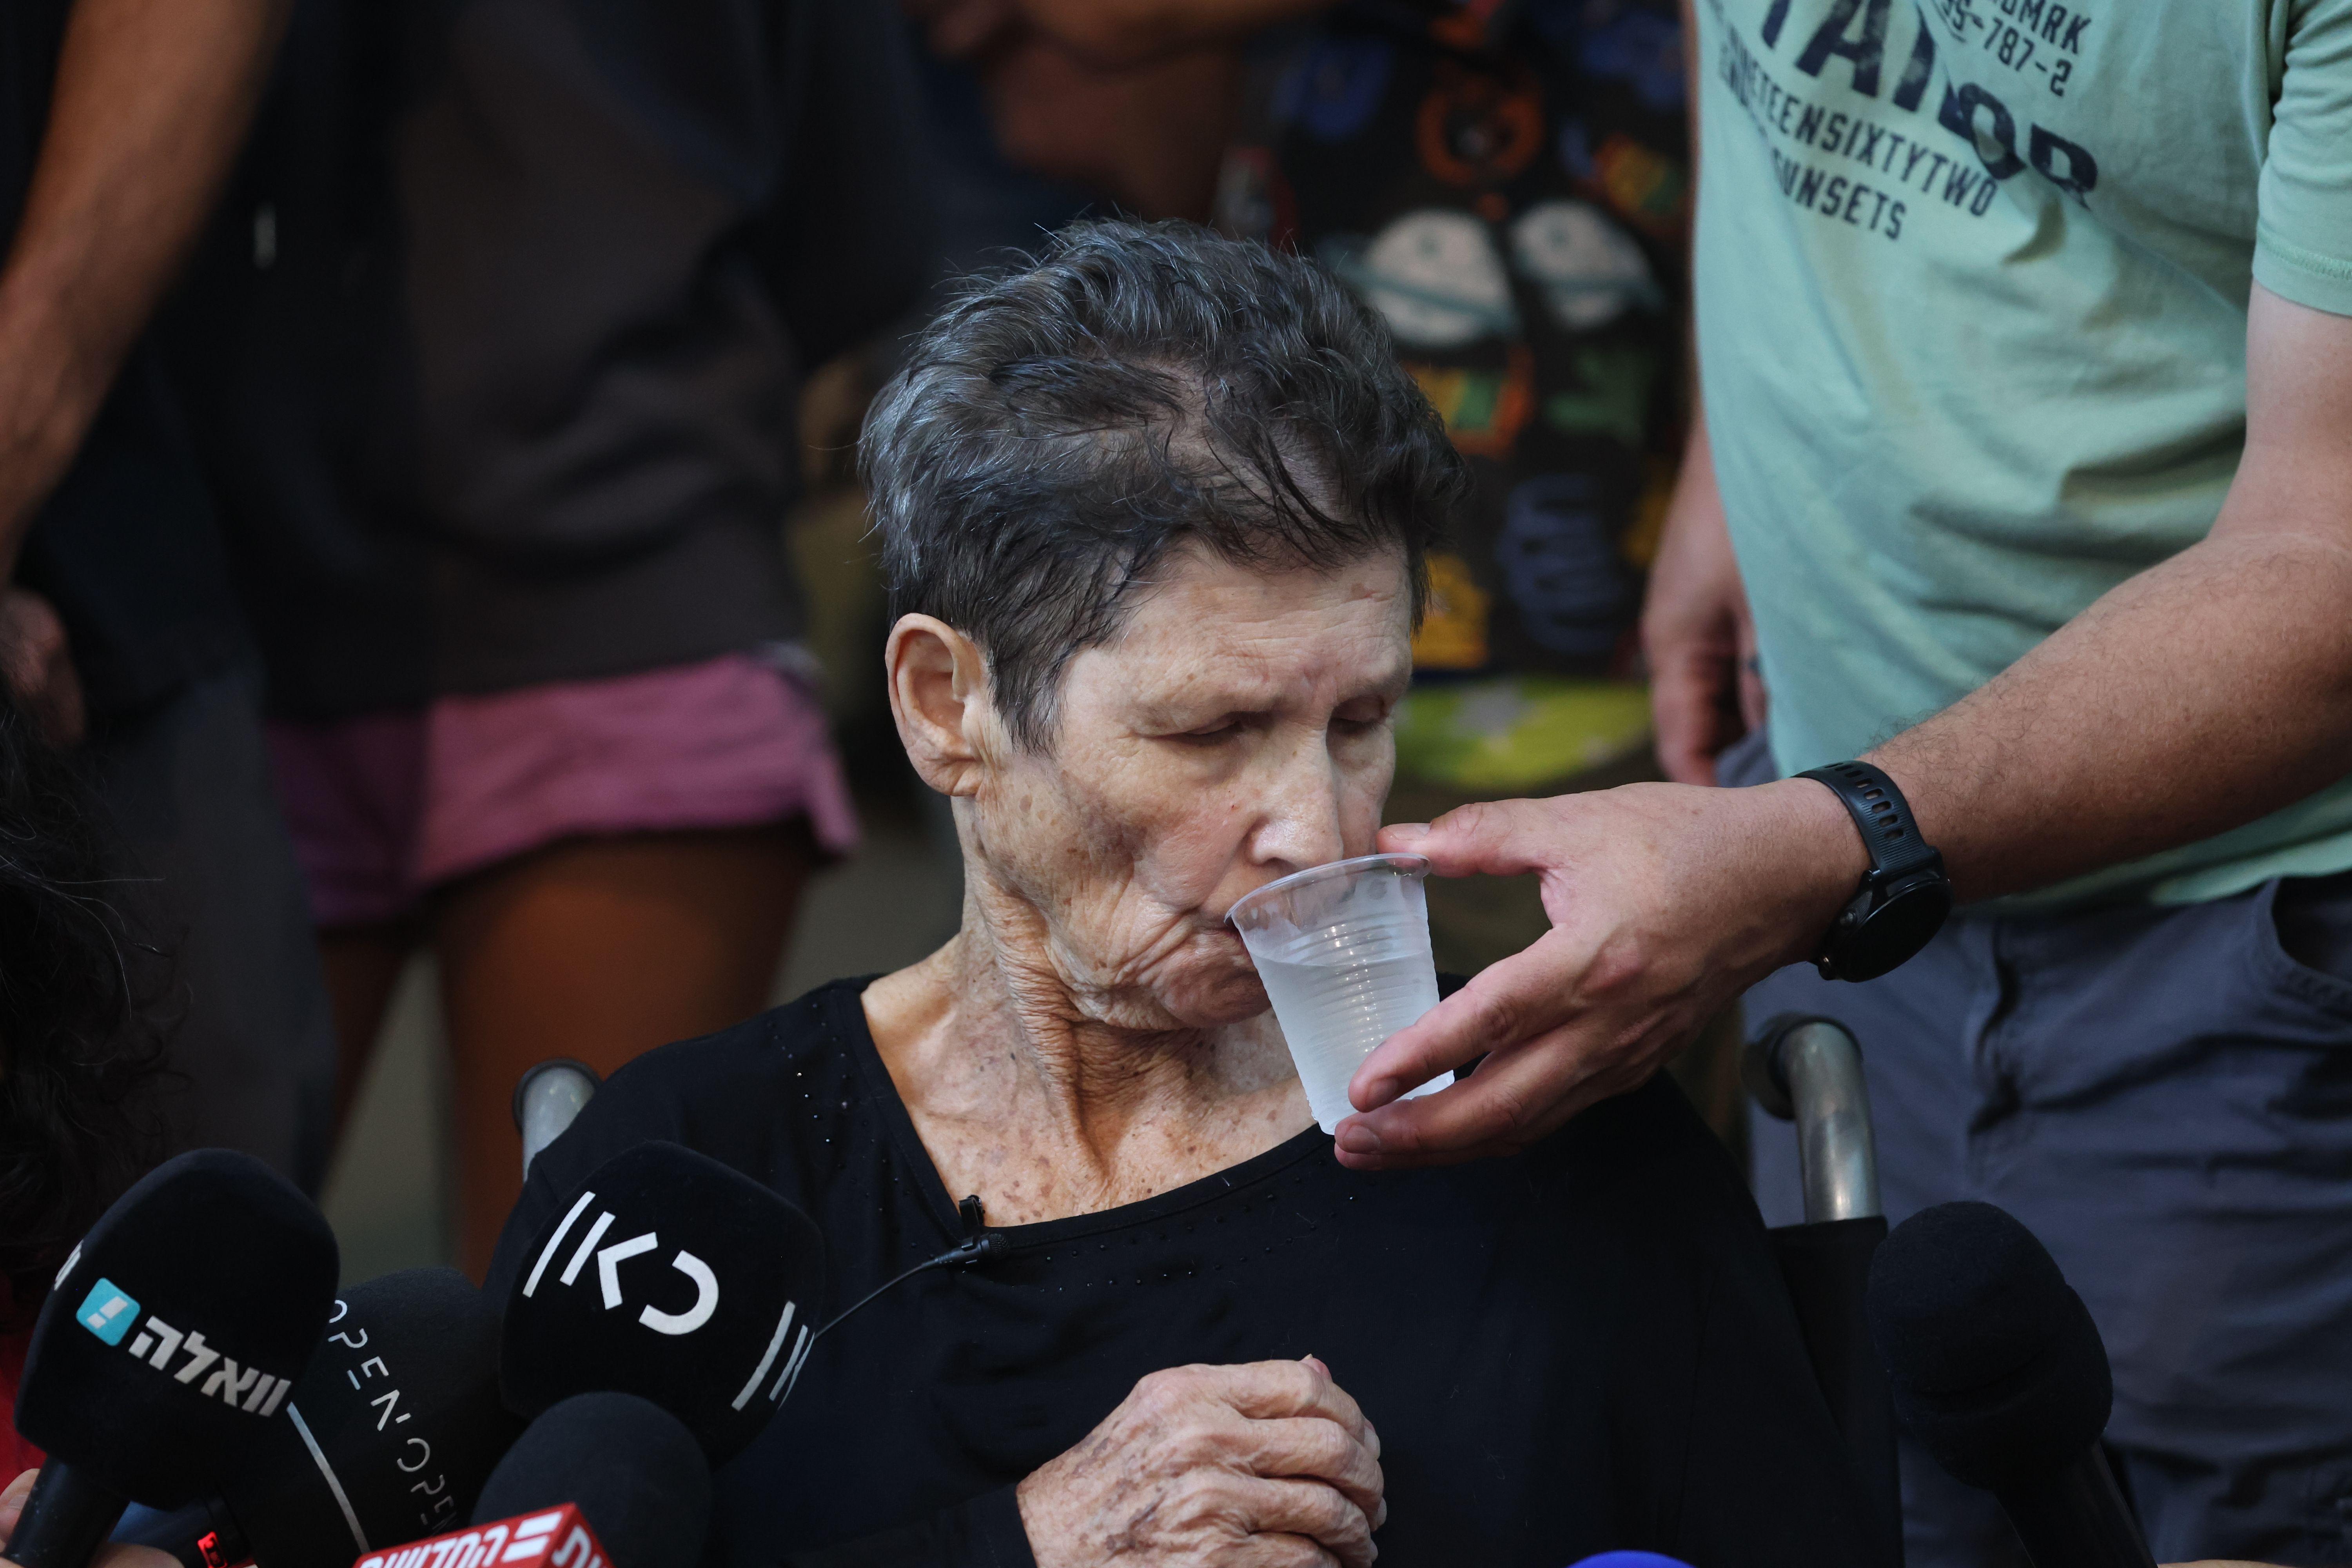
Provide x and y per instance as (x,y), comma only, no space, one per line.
(1884,817)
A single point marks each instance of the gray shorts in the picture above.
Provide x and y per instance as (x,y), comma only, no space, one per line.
(2164,1096)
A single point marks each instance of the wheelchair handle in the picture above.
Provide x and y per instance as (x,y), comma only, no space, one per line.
(1809,1070)
(546,1098)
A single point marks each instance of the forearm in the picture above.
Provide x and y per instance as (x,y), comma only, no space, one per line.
(2196,695)
(150,101)
(2200,694)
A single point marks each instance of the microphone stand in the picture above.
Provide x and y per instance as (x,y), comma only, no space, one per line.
(66,1519)
(2075,1518)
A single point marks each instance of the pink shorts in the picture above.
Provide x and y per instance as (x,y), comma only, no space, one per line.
(386,806)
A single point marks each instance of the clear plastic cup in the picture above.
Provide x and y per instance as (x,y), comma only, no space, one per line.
(1344,952)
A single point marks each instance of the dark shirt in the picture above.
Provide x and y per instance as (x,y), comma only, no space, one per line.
(630,230)
(285,342)
(125,546)
(496,340)
(1583,1347)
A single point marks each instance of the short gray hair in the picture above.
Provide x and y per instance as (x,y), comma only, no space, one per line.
(1057,430)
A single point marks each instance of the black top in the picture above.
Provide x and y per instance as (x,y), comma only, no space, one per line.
(1583,1347)
(125,546)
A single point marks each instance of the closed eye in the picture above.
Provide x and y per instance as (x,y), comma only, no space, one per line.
(1225,729)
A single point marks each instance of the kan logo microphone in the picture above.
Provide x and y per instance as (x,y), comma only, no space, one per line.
(669,1276)
(609,1260)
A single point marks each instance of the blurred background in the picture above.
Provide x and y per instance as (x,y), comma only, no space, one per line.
(458,588)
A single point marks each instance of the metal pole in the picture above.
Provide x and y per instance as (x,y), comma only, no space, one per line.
(1809,1070)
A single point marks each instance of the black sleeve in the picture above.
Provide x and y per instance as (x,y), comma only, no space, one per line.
(1765,1478)
(985,1532)
(1760,1476)
(1725,1452)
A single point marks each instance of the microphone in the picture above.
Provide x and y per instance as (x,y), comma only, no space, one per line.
(525,1540)
(391,1429)
(633,1469)
(2000,1373)
(670,1277)
(164,1356)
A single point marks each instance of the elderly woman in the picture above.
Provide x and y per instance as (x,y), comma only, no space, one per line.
(1155,510)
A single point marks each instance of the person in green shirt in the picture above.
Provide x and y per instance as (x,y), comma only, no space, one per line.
(2025,475)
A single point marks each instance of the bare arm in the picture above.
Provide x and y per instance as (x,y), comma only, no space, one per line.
(2198,695)
(151,101)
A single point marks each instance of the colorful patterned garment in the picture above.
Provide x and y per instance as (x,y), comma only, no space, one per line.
(1506,183)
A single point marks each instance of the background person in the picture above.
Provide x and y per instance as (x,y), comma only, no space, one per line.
(2025,411)
(81,1036)
(540,700)
(118,121)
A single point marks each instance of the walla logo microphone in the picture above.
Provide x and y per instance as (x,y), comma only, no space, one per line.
(164,1357)
(108,1310)
(671,1277)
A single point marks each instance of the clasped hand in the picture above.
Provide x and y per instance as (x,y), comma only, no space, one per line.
(1268,1465)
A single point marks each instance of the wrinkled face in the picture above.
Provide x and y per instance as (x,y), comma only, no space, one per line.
(1238,730)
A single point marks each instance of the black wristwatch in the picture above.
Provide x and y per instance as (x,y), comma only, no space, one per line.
(1903,896)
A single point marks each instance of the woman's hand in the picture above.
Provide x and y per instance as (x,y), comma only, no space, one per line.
(12,1508)
(1269,1465)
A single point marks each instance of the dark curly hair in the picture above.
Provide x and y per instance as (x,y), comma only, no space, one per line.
(79,1034)
(1057,430)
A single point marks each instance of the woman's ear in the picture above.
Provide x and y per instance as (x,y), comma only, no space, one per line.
(939,695)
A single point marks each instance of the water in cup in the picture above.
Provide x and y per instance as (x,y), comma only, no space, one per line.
(1344,952)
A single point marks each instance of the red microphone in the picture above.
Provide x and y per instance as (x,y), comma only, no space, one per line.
(557,1538)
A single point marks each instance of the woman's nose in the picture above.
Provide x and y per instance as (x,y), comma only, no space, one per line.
(1299,826)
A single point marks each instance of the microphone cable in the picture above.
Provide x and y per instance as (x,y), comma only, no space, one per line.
(967,1254)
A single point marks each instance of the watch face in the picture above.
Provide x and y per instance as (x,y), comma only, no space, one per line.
(1900,927)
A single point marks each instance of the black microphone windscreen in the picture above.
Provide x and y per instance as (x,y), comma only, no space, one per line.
(177,1327)
(636,1474)
(1995,1364)
(669,1276)
(391,1429)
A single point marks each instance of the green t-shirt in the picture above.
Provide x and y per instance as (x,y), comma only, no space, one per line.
(1972,284)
